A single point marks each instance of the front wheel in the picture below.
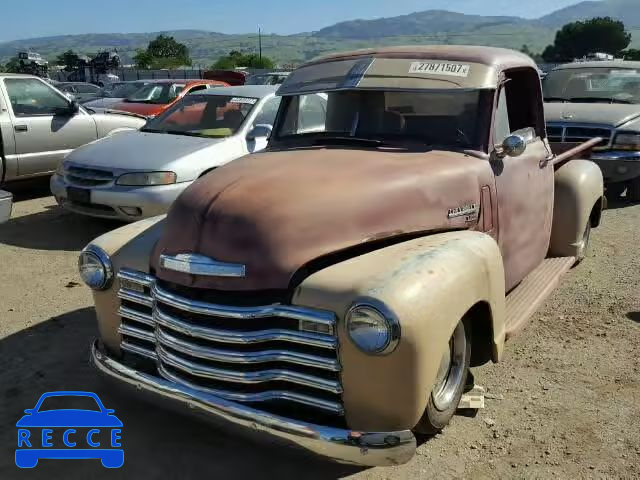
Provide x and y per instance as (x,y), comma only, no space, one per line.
(450,382)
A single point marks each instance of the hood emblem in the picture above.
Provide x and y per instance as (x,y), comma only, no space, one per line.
(195,264)
(469,212)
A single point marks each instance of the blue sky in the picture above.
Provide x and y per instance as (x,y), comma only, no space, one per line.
(37,18)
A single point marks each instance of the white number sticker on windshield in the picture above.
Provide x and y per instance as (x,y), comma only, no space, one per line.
(248,101)
(449,69)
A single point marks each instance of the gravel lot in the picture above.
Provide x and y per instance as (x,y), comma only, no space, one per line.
(565,403)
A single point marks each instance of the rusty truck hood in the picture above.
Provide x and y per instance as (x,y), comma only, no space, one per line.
(275,212)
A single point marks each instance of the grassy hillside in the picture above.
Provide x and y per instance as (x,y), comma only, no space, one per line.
(430,27)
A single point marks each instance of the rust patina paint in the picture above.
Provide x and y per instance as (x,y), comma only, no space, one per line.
(277,211)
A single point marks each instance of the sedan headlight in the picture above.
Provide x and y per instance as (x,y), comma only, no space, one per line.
(144,179)
(373,328)
(627,141)
(96,269)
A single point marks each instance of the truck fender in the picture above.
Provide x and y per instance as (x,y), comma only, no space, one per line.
(430,284)
(579,194)
(130,246)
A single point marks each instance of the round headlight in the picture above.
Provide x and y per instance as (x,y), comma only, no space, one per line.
(372,331)
(95,268)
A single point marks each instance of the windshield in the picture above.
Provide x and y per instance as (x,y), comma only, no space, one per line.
(216,116)
(266,79)
(597,85)
(124,90)
(157,93)
(435,117)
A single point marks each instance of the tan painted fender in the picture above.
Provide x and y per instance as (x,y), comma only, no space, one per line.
(578,190)
(429,284)
(129,246)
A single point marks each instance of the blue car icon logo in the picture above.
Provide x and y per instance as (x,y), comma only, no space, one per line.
(69,425)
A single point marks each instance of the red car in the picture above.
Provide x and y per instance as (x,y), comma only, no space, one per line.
(157,96)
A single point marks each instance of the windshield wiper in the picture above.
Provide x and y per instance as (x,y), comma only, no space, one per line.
(555,99)
(339,140)
(183,132)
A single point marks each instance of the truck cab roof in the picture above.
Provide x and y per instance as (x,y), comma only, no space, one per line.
(407,68)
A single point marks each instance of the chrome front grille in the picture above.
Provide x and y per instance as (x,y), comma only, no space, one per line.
(575,133)
(87,177)
(274,355)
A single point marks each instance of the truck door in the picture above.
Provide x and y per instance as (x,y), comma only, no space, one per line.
(44,126)
(524,184)
(8,162)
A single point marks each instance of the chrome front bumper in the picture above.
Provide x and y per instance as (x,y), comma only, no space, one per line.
(345,446)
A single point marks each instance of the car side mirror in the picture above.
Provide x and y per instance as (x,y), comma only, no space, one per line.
(261,130)
(512,146)
(29,411)
(74,107)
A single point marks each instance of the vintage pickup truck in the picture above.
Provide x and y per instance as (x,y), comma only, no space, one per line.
(333,291)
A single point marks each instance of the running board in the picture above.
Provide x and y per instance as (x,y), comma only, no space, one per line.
(527,297)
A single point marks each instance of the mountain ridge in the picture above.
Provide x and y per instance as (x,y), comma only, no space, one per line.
(430,26)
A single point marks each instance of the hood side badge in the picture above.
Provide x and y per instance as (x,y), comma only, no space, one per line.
(195,264)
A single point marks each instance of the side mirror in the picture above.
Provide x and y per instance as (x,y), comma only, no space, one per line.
(260,131)
(109,411)
(512,146)
(70,96)
(29,411)
(6,203)
(74,107)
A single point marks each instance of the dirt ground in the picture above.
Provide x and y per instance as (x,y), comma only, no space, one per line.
(564,404)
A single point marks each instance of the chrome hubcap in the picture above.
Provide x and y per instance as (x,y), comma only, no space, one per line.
(585,241)
(451,371)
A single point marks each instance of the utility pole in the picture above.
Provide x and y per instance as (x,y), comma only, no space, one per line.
(260,42)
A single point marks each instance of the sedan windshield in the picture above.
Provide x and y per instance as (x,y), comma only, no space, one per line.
(593,85)
(435,117)
(216,116)
(124,90)
(156,93)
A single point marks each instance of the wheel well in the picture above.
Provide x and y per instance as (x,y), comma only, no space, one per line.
(207,171)
(596,214)
(481,333)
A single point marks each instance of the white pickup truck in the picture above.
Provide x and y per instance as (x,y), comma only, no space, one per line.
(39,126)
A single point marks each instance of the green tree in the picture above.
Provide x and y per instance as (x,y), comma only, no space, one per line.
(142,59)
(238,59)
(255,61)
(164,52)
(69,59)
(224,63)
(12,66)
(577,39)
(631,54)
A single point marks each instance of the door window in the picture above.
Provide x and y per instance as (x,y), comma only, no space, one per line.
(502,128)
(306,114)
(30,97)
(87,88)
(267,115)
